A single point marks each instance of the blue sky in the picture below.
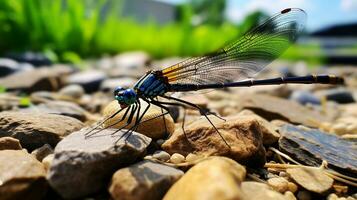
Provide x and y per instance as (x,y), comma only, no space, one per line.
(321,13)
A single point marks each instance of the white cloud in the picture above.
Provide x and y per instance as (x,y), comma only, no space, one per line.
(237,12)
(349,5)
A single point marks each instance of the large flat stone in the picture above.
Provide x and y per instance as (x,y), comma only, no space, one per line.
(312,146)
(36,129)
(271,108)
(83,165)
(37,79)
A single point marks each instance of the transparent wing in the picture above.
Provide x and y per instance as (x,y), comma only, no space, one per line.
(244,57)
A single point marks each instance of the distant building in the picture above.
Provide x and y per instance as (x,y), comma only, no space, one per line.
(343,30)
(335,38)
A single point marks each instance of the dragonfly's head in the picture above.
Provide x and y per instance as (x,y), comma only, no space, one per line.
(125,97)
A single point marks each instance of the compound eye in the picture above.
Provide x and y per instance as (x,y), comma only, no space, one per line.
(117,90)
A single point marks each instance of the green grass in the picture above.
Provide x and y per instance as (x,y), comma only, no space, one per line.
(75,29)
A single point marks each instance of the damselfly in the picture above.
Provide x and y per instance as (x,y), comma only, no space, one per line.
(232,66)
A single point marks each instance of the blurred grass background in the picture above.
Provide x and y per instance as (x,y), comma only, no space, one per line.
(68,30)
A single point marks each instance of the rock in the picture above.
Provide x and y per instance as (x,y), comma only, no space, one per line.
(104,63)
(9,143)
(279,184)
(349,110)
(278,122)
(192,157)
(311,146)
(332,196)
(289,195)
(36,129)
(83,165)
(282,174)
(304,195)
(200,182)
(74,91)
(42,96)
(269,130)
(9,101)
(48,79)
(34,58)
(90,80)
(42,152)
(8,66)
(271,108)
(242,133)
(65,108)
(109,85)
(292,187)
(119,72)
(344,125)
(21,176)
(144,180)
(131,60)
(130,64)
(150,126)
(46,161)
(161,155)
(256,190)
(304,97)
(312,179)
(339,95)
(177,158)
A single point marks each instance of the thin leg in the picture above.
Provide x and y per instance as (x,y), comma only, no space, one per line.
(128,132)
(202,113)
(163,116)
(101,123)
(159,103)
(128,121)
(122,118)
(202,110)
(183,123)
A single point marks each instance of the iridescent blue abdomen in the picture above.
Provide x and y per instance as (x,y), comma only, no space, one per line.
(150,86)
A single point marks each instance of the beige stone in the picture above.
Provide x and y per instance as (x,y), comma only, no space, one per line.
(256,190)
(292,187)
(211,179)
(177,158)
(279,184)
(289,195)
(269,130)
(9,143)
(312,179)
(149,126)
(46,161)
(242,133)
